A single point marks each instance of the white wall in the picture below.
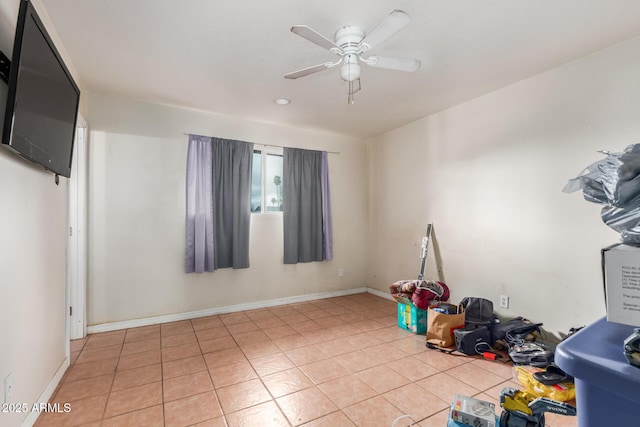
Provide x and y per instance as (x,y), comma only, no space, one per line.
(136,215)
(489,174)
(33,224)
(32,284)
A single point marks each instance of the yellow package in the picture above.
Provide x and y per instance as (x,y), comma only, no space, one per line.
(560,392)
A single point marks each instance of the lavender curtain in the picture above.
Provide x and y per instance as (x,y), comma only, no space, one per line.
(307,206)
(218,194)
(199,218)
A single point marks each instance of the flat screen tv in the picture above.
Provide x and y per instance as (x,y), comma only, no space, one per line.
(42,97)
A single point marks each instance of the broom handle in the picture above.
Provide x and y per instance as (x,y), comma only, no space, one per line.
(424,250)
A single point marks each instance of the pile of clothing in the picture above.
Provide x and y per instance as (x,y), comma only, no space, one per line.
(420,292)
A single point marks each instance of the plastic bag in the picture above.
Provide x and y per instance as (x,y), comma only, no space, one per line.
(561,392)
(614,182)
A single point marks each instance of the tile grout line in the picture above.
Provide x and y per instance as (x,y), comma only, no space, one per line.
(164,414)
(113,380)
(224,418)
(259,376)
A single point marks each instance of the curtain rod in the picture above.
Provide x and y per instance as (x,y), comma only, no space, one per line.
(272,145)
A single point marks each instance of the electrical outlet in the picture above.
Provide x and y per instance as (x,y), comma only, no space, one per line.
(340,272)
(8,388)
(504,301)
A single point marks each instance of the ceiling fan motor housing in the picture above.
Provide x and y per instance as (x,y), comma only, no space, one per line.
(349,38)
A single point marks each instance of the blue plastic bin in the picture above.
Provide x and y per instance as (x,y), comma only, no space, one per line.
(607,386)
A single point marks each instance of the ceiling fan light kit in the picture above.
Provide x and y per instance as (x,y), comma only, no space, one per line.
(350,44)
(350,70)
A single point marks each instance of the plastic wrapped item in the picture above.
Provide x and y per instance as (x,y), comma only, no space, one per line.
(614,182)
(562,392)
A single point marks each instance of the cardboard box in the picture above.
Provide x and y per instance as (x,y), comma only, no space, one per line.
(473,412)
(451,423)
(621,274)
(411,318)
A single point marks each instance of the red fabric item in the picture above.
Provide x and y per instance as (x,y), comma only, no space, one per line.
(428,291)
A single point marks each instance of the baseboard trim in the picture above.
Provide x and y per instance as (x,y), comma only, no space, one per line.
(380,294)
(125,324)
(47,393)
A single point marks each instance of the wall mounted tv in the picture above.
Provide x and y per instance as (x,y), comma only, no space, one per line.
(42,97)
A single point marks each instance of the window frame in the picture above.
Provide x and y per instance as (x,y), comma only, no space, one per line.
(265,150)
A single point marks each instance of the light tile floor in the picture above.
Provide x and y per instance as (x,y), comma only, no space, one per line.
(332,362)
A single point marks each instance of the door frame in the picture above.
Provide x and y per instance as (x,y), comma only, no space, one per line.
(77,236)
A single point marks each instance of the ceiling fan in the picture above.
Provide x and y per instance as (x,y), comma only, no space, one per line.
(351,43)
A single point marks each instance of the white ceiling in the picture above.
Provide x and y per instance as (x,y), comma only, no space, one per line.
(230,56)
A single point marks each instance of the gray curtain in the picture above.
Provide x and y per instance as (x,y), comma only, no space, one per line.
(307,206)
(327,222)
(218,193)
(232,163)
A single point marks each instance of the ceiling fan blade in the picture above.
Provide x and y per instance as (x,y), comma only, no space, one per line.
(399,64)
(314,37)
(390,25)
(308,70)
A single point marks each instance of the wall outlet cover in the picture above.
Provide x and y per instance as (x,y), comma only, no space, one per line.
(8,388)
(504,301)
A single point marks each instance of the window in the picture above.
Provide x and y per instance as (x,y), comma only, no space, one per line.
(266,180)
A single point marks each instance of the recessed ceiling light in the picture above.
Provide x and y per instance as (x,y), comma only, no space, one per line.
(282,101)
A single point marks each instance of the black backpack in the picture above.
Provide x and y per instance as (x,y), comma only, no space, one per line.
(478,311)
(514,330)
(473,339)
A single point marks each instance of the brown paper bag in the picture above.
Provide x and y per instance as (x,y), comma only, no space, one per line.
(440,327)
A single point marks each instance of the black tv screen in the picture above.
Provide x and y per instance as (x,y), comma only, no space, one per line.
(42,97)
